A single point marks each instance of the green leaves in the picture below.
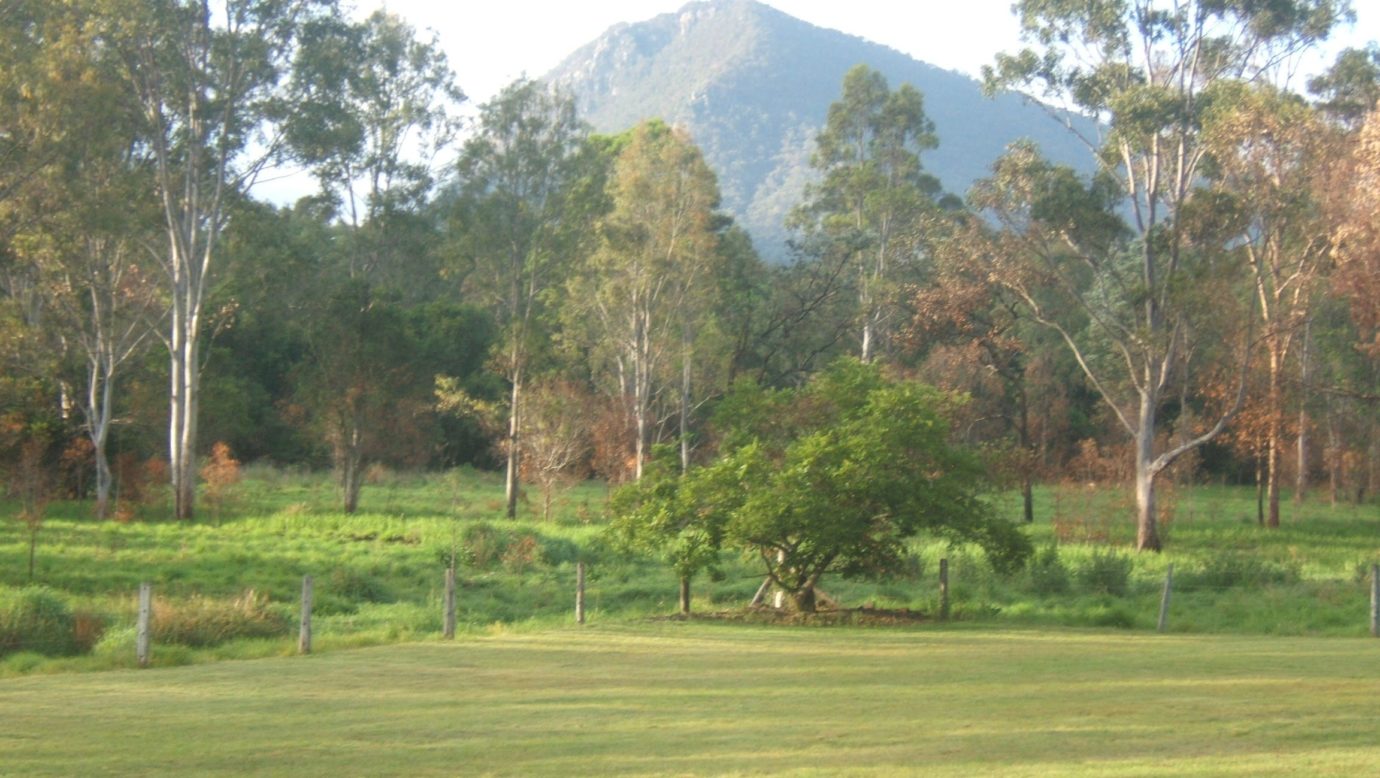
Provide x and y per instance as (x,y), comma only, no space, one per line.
(863,463)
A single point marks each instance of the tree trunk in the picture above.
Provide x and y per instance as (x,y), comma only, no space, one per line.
(1147,531)
(351,467)
(1028,498)
(685,595)
(1027,454)
(104,481)
(33,549)
(511,484)
(685,399)
(182,425)
(804,599)
(1274,442)
(1301,446)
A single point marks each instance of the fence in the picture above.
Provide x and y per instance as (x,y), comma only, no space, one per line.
(304,644)
(145,632)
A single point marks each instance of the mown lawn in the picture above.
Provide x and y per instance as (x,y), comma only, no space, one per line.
(669,698)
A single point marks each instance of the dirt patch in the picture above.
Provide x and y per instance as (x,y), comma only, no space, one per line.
(864,617)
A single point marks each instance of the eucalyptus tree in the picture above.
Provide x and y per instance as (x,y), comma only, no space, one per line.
(652,279)
(1271,158)
(1147,70)
(1349,90)
(523,209)
(99,287)
(207,82)
(76,175)
(374,105)
(867,209)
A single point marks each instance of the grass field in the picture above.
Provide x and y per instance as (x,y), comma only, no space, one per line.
(379,573)
(672,698)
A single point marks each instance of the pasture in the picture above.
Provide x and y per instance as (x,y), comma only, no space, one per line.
(669,698)
(227,584)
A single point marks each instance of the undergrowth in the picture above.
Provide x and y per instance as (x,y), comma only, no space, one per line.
(230,589)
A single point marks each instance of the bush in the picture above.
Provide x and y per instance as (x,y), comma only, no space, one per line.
(201,621)
(1227,570)
(521,553)
(1048,575)
(558,551)
(483,544)
(353,586)
(1111,616)
(1106,572)
(35,619)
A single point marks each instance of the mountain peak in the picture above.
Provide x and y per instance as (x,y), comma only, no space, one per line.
(753,86)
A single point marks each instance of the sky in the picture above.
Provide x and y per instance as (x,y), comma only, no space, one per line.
(491,43)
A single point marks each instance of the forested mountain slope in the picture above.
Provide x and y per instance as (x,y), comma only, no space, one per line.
(753,85)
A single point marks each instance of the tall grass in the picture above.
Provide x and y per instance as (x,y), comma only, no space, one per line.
(379,573)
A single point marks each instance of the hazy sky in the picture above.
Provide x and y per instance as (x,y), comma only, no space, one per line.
(490,43)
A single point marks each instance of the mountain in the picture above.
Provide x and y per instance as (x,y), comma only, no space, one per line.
(753,86)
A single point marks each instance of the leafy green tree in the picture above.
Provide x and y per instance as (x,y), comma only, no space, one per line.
(365,393)
(374,106)
(833,478)
(523,208)
(869,207)
(78,223)
(1147,72)
(1350,89)
(675,515)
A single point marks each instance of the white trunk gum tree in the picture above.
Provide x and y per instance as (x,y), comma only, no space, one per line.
(518,225)
(204,78)
(647,284)
(1147,70)
(874,191)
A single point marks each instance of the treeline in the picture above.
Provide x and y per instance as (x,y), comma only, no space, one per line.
(516,292)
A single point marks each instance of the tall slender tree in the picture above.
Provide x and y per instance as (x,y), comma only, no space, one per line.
(206,81)
(651,278)
(374,106)
(524,206)
(1271,155)
(874,191)
(1147,70)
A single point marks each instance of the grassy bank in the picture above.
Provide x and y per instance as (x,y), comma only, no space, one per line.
(228,583)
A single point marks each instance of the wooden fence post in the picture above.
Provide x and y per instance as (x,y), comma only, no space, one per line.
(579,592)
(448,630)
(304,634)
(141,638)
(944,590)
(1164,598)
(1375,600)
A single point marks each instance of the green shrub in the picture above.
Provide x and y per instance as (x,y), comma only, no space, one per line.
(522,553)
(558,551)
(1106,572)
(1048,575)
(352,585)
(35,619)
(483,545)
(1111,616)
(1224,571)
(202,621)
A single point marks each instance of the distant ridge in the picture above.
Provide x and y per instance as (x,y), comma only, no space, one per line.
(753,85)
